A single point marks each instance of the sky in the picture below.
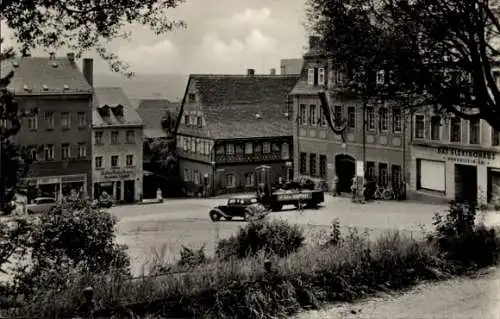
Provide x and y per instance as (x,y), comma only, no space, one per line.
(222,36)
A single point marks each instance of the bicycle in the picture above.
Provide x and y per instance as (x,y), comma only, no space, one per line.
(384,193)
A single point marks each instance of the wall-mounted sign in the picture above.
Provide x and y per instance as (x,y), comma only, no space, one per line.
(116,174)
(477,157)
(360,168)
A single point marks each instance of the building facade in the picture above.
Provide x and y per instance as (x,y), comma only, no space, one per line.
(454,158)
(57,133)
(230,124)
(117,149)
(375,142)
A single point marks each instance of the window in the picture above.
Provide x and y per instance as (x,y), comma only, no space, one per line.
(257,148)
(383,120)
(114,137)
(370,170)
(249,179)
(220,150)
(98,162)
(396,175)
(285,151)
(199,122)
(65,151)
(98,138)
(248,148)
(114,161)
(310,76)
(49,120)
(339,77)
(65,121)
(230,181)
(207,148)
(351,117)
(186,174)
(33,122)
(129,160)
(312,164)
(396,120)
(370,117)
(474,131)
(192,97)
(495,137)
(186,119)
(303,163)
(197,178)
(187,143)
(266,148)
(312,114)
(82,119)
(419,126)
(229,149)
(382,174)
(303,114)
(322,117)
(193,145)
(337,113)
(435,128)
(49,152)
(82,150)
(322,166)
(130,137)
(380,77)
(321,76)
(455,130)
(33,153)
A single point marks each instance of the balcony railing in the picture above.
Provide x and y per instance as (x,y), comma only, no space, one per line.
(248,158)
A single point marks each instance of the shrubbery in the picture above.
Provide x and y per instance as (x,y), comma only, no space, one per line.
(271,237)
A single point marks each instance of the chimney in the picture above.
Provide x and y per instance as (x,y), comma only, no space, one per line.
(71,57)
(314,42)
(251,72)
(52,55)
(88,70)
(273,71)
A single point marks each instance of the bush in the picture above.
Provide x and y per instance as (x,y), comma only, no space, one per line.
(192,257)
(71,236)
(272,237)
(461,240)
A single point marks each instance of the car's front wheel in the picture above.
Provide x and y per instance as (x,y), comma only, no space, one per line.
(215,216)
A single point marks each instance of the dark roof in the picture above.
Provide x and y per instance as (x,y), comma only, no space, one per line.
(37,72)
(152,111)
(302,87)
(231,104)
(113,98)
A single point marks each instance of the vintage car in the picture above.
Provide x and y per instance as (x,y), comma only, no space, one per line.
(41,205)
(247,208)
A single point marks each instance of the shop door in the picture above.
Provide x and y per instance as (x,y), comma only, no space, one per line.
(465,183)
(345,168)
(129,189)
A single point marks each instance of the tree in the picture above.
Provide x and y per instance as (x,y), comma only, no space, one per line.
(441,52)
(81,25)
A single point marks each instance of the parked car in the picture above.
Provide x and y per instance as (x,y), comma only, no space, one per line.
(248,208)
(41,205)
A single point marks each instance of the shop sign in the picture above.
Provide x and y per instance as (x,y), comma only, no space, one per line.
(360,168)
(73,179)
(116,174)
(477,157)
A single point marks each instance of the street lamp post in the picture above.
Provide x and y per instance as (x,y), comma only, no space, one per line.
(4,126)
(213,177)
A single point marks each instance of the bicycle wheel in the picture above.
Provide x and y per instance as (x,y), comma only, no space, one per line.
(388,194)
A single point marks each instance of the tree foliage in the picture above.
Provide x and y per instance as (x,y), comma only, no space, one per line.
(442,52)
(81,25)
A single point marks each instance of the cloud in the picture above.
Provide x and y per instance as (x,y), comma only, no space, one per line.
(151,58)
(248,18)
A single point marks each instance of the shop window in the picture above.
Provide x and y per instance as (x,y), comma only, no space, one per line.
(303,163)
(285,151)
(249,179)
(312,164)
(248,148)
(455,129)
(230,181)
(435,128)
(229,149)
(322,166)
(370,170)
(266,148)
(382,174)
(396,175)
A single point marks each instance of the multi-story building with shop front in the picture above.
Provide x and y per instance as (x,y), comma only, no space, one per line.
(454,158)
(117,133)
(230,124)
(58,98)
(374,144)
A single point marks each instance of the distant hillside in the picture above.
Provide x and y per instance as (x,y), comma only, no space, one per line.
(144,86)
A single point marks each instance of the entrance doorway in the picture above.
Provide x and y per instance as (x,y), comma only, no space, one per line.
(129,188)
(345,168)
(465,183)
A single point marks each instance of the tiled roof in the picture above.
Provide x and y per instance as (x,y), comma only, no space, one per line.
(45,76)
(152,111)
(230,104)
(113,98)
(302,87)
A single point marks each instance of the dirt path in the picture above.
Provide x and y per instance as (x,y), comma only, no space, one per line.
(461,298)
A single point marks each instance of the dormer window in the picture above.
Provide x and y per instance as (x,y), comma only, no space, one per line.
(118,111)
(316,76)
(192,97)
(380,77)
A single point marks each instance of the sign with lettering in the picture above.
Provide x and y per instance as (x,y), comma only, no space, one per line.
(116,174)
(295,196)
(477,157)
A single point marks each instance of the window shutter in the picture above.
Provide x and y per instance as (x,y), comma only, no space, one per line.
(310,76)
